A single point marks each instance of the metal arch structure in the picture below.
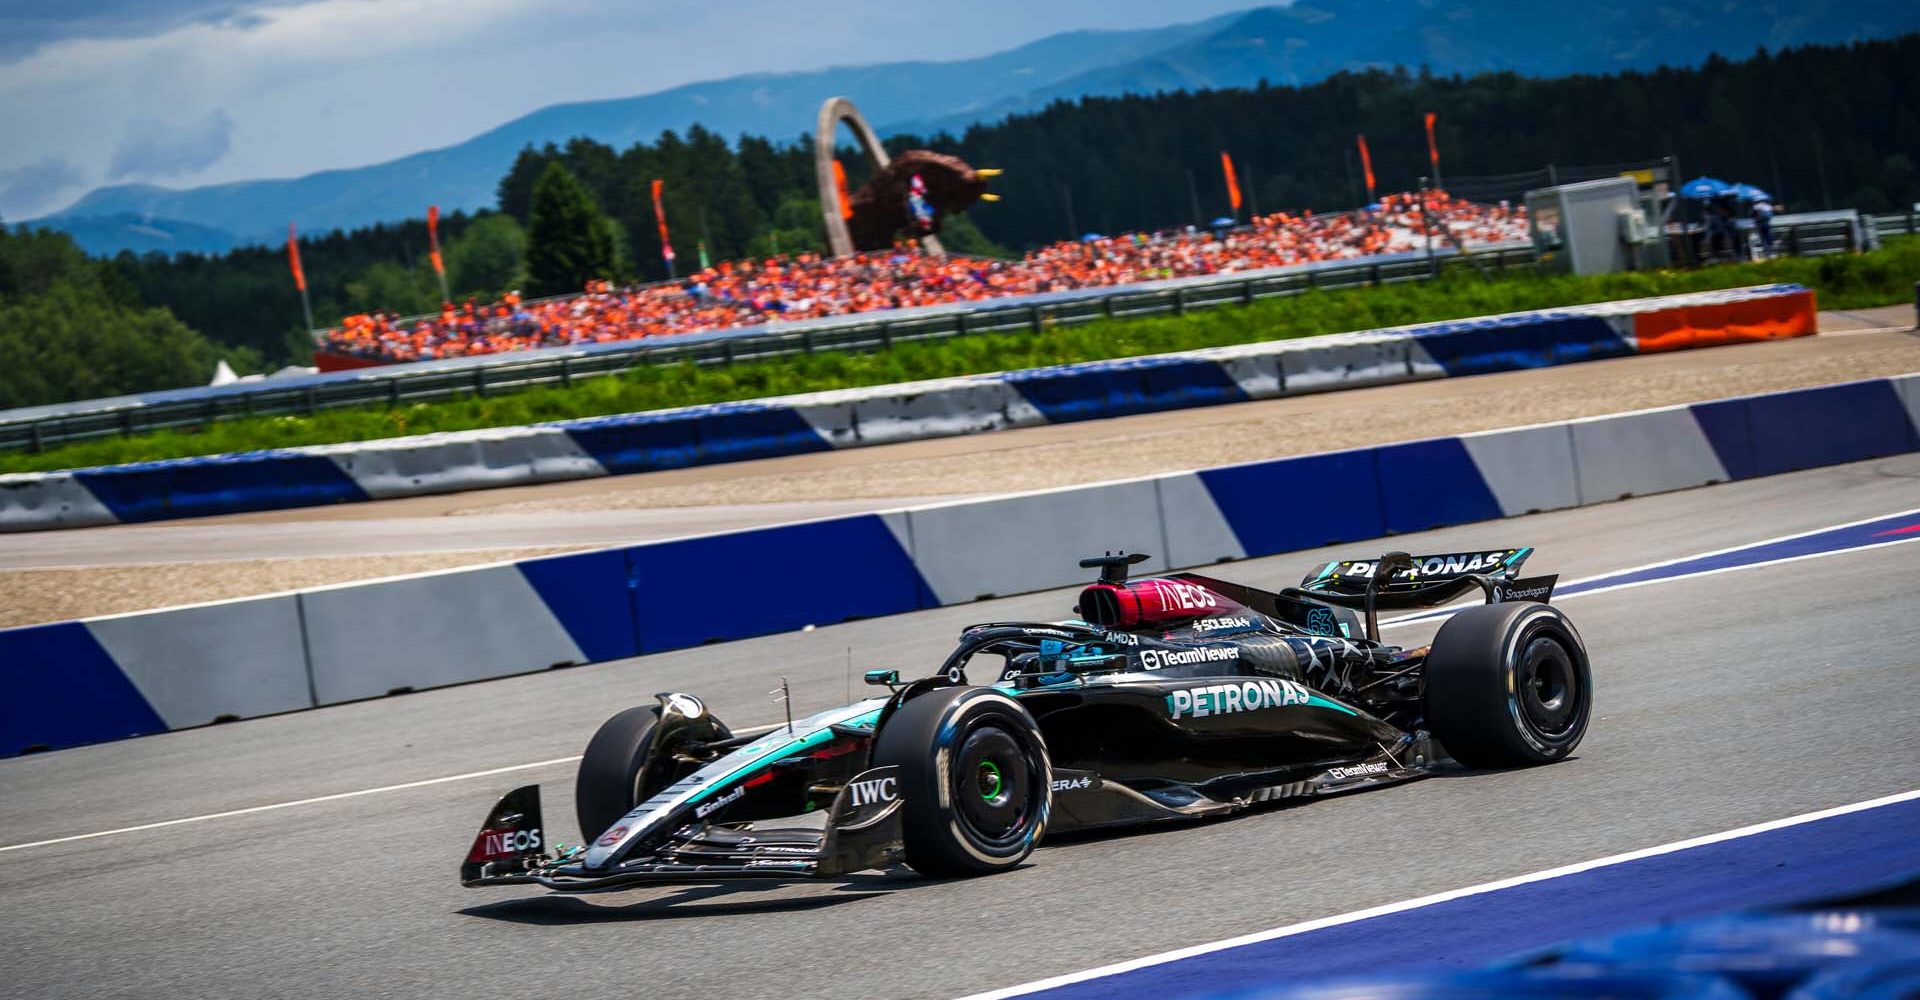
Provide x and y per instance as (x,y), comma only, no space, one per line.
(826,128)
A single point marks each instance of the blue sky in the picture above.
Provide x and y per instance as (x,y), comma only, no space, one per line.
(188,92)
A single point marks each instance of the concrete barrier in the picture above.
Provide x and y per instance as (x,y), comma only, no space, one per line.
(1827,426)
(969,551)
(1636,454)
(370,639)
(59,688)
(77,682)
(1353,361)
(693,591)
(1299,503)
(466,460)
(224,660)
(1909,388)
(33,501)
(1195,529)
(1528,469)
(728,432)
(940,408)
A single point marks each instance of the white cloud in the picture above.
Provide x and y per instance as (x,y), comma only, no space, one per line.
(37,183)
(335,83)
(153,148)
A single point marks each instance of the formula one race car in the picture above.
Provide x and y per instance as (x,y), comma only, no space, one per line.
(1169,698)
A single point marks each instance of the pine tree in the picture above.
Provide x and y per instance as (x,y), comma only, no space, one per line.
(569,240)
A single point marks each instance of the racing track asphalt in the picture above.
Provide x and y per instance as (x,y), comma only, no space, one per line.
(1722,701)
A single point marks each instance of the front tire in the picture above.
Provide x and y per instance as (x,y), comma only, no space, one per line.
(617,771)
(1508,685)
(976,786)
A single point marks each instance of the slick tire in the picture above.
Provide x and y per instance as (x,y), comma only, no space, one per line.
(614,774)
(976,787)
(1508,685)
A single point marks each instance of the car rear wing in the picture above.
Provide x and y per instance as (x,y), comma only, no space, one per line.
(1351,576)
(1397,581)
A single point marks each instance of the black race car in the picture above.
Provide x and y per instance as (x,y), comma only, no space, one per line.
(1168,698)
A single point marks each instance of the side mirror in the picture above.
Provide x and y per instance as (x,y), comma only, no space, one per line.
(883,678)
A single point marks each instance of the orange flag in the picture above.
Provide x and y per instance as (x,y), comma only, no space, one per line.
(660,215)
(433,240)
(1433,148)
(1233,183)
(840,184)
(293,259)
(1366,167)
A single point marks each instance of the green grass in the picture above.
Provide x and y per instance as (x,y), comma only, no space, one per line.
(1843,282)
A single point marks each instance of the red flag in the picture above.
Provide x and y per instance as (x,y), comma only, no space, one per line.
(1233,183)
(660,215)
(293,259)
(1433,148)
(840,185)
(1366,167)
(433,240)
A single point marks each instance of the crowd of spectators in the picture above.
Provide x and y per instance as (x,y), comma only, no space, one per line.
(807,286)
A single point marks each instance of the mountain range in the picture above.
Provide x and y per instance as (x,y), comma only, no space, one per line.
(1299,43)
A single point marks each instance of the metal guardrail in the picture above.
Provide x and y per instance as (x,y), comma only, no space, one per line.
(1896,224)
(404,384)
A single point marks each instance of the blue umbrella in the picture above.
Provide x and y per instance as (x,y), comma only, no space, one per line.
(1090,237)
(1747,192)
(1223,222)
(1704,188)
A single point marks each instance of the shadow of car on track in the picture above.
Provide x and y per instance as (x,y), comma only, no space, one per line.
(700,900)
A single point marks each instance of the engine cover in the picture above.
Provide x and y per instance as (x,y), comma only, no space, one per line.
(1152,603)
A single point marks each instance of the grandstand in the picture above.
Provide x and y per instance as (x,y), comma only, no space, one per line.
(811,286)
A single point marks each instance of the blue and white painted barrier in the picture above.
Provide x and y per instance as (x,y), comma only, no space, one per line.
(77,682)
(731,432)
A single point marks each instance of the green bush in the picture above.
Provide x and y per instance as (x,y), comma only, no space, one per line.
(1846,282)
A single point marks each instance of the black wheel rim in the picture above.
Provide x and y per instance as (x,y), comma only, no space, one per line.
(1551,695)
(992,787)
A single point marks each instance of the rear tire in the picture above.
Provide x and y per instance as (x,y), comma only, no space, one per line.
(1508,685)
(614,774)
(976,787)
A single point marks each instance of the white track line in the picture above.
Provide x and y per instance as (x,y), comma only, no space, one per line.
(250,810)
(1394,623)
(1441,897)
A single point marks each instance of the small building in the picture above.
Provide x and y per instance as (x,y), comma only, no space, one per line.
(1596,227)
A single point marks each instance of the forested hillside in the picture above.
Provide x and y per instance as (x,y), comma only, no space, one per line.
(74,328)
